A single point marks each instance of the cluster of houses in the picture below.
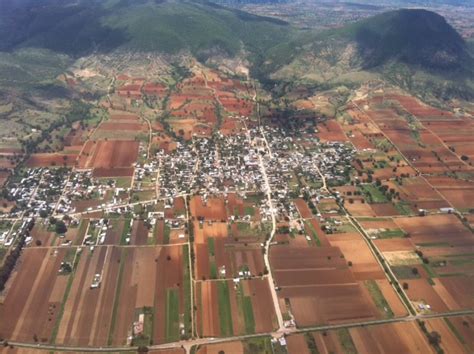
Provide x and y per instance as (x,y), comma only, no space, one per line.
(36,193)
(210,165)
(22,190)
(296,159)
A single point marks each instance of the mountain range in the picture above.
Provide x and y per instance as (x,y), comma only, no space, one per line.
(393,45)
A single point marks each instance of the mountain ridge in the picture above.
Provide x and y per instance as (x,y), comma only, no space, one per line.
(394,45)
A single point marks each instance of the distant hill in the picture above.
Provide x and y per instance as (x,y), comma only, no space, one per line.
(145,25)
(414,49)
(412,36)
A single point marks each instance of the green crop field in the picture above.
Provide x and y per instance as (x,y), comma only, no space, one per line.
(373,194)
(187,291)
(172,315)
(396,233)
(246,308)
(225,315)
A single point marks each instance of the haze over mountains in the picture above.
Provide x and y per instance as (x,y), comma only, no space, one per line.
(392,44)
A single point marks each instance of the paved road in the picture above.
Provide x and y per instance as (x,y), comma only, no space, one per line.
(267,245)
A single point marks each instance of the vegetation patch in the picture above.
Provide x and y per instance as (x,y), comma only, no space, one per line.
(346,341)
(172,315)
(378,298)
(225,315)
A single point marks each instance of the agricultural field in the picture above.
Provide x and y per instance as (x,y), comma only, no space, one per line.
(407,336)
(243,307)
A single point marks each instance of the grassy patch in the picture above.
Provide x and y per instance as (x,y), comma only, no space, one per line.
(172,315)
(254,198)
(365,218)
(84,223)
(213,269)
(346,341)
(248,314)
(248,210)
(397,233)
(225,315)
(373,194)
(166,234)
(313,232)
(462,262)
(246,308)
(378,298)
(433,244)
(127,230)
(345,228)
(259,345)
(311,343)
(404,272)
(187,291)
(429,270)
(403,208)
(211,246)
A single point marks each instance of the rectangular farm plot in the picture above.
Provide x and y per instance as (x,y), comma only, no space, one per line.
(51,160)
(434,230)
(463,328)
(88,308)
(319,287)
(212,209)
(303,208)
(227,308)
(220,256)
(119,129)
(381,228)
(32,301)
(393,338)
(460,193)
(355,250)
(153,282)
(108,154)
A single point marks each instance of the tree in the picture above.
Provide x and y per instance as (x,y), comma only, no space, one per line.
(43,213)
(405,286)
(434,338)
(414,270)
(60,227)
